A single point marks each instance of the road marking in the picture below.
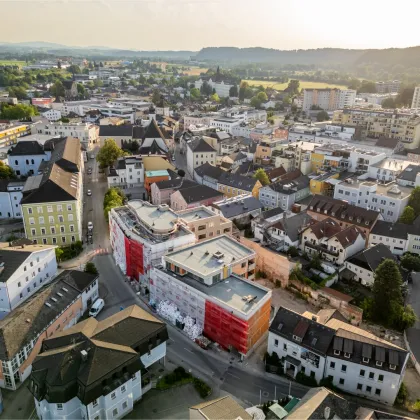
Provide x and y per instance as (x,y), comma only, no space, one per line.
(231,374)
(188,350)
(172,339)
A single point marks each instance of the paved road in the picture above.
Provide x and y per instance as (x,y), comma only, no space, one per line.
(181,161)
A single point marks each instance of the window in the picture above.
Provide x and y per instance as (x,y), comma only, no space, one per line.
(70,217)
(380,378)
(53,230)
(276,343)
(378,363)
(341,381)
(124,405)
(371,375)
(51,219)
(19,284)
(94,403)
(71,228)
(365,360)
(59,406)
(337,352)
(31,221)
(284,346)
(392,367)
(49,209)
(359,387)
(29,210)
(377,392)
(33,232)
(113,396)
(54,241)
(332,365)
(362,372)
(59,207)
(62,229)
(343,368)
(43,231)
(63,239)
(41,220)
(123,389)
(60,218)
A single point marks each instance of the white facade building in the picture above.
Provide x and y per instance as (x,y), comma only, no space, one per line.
(127,173)
(23,271)
(199,152)
(10,197)
(328,99)
(52,115)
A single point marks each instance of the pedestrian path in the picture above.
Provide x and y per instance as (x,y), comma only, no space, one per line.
(84,257)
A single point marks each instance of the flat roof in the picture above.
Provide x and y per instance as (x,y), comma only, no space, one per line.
(391,189)
(200,258)
(191,215)
(156,217)
(161,172)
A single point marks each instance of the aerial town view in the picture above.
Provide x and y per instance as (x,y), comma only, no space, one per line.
(209,210)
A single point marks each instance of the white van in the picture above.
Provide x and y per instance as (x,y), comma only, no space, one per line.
(96,307)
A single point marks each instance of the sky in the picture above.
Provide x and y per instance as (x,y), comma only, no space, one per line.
(194,24)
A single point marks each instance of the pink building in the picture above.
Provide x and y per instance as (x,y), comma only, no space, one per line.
(161,191)
(194,196)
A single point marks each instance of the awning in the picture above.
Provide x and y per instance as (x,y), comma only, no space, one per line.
(293,361)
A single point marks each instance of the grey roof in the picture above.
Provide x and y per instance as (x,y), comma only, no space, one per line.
(198,192)
(393,230)
(293,225)
(124,130)
(271,213)
(206,169)
(16,331)
(235,207)
(315,336)
(12,260)
(409,173)
(288,187)
(26,148)
(179,183)
(237,181)
(370,258)
(200,145)
(387,142)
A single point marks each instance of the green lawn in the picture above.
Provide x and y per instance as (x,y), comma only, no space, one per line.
(303,84)
(12,63)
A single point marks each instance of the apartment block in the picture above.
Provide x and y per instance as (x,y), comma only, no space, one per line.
(328,99)
(11,132)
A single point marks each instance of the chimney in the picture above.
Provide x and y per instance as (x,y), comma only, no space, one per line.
(84,355)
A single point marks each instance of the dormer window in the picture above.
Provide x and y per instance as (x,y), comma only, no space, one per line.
(337,352)
(351,218)
(392,367)
(342,216)
(312,207)
(347,355)
(359,220)
(325,211)
(333,213)
(296,338)
(379,364)
(366,360)
(366,223)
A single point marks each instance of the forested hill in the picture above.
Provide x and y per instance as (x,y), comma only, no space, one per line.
(408,57)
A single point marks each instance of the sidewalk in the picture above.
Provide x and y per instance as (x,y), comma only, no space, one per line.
(83,258)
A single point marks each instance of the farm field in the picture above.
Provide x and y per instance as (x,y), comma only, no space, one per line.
(12,63)
(303,84)
(193,70)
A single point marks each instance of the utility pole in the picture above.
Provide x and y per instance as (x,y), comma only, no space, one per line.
(260,396)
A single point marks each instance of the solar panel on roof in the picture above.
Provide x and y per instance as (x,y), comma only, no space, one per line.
(367,351)
(380,354)
(393,357)
(348,346)
(338,343)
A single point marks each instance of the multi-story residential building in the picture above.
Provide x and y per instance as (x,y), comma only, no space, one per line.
(394,235)
(391,86)
(262,153)
(11,132)
(24,269)
(343,212)
(364,264)
(161,191)
(198,119)
(208,175)
(218,82)
(88,134)
(241,208)
(387,170)
(225,124)
(332,242)
(291,188)
(127,172)
(110,360)
(26,156)
(52,202)
(10,198)
(338,131)
(199,152)
(328,99)
(194,196)
(389,199)
(415,104)
(54,308)
(232,185)
(355,360)
(52,115)
(403,125)
(209,281)
(205,223)
(410,176)
(140,233)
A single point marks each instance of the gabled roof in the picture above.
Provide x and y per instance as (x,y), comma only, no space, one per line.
(393,230)
(325,228)
(200,145)
(124,130)
(175,183)
(236,206)
(153,131)
(276,173)
(370,258)
(225,408)
(153,149)
(26,148)
(206,169)
(293,225)
(198,193)
(348,236)
(409,173)
(237,181)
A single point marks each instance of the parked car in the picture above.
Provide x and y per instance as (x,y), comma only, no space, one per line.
(173,158)
(92,156)
(90,226)
(89,192)
(96,307)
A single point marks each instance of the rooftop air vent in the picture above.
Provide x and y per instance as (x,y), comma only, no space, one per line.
(218,255)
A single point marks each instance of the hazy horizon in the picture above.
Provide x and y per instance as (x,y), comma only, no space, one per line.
(196,24)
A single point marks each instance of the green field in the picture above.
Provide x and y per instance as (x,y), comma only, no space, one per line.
(12,63)
(303,84)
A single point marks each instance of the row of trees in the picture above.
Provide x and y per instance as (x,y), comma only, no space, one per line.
(114,197)
(17,112)
(412,211)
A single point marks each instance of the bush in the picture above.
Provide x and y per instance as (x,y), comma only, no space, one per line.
(416,406)
(292,251)
(306,380)
(402,395)
(278,283)
(64,253)
(202,388)
(91,268)
(328,383)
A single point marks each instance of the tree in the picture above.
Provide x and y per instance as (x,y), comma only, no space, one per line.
(405,97)
(387,295)
(156,97)
(109,153)
(410,262)
(6,172)
(407,217)
(322,116)
(262,97)
(355,84)
(215,97)
(57,89)
(233,91)
(74,69)
(293,87)
(91,268)
(181,173)
(17,92)
(133,145)
(414,201)
(262,176)
(195,93)
(17,112)
(388,103)
(206,89)
(367,86)
(114,197)
(255,102)
(81,89)
(245,92)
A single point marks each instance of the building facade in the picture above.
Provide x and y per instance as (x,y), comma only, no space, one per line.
(328,99)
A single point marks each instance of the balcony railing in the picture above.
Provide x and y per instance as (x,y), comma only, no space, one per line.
(321,249)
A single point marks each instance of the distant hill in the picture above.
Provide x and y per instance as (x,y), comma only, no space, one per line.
(408,57)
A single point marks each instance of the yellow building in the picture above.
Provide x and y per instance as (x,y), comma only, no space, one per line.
(317,161)
(232,185)
(262,152)
(320,184)
(9,134)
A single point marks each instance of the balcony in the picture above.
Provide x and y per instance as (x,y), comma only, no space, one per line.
(322,249)
(251,266)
